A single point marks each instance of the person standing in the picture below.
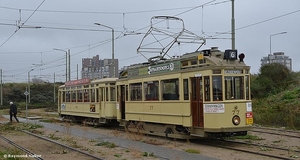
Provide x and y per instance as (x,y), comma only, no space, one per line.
(13,111)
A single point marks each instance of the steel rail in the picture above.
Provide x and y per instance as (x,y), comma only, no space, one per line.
(32,155)
(63,145)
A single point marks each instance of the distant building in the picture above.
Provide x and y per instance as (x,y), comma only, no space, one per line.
(95,68)
(277,57)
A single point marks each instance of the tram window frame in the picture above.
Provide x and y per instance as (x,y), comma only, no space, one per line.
(217,88)
(136,91)
(126,92)
(63,96)
(73,95)
(97,94)
(79,96)
(170,92)
(102,93)
(247,87)
(234,87)
(112,93)
(86,96)
(68,96)
(186,89)
(151,94)
(207,88)
(194,62)
(92,94)
(106,94)
(185,63)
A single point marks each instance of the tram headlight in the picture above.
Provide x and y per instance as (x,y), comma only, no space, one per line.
(236,120)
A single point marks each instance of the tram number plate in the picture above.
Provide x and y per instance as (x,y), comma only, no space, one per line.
(249,118)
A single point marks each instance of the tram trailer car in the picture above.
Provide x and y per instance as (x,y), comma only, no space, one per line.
(91,102)
(200,94)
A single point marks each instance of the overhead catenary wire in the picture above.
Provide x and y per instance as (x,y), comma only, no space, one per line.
(22,24)
(178,14)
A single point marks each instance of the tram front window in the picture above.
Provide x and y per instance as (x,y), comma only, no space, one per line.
(217,88)
(234,87)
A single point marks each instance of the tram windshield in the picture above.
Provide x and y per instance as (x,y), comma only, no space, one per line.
(234,87)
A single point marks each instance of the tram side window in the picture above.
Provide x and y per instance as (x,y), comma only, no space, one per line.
(79,96)
(186,89)
(112,93)
(207,88)
(97,95)
(63,96)
(86,95)
(247,87)
(151,91)
(135,91)
(234,87)
(170,89)
(68,96)
(92,95)
(101,94)
(126,92)
(106,93)
(217,88)
(73,96)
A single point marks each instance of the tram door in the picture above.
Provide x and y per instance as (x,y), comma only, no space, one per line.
(197,102)
(122,101)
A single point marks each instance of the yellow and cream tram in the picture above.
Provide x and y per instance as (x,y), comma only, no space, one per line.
(92,102)
(200,94)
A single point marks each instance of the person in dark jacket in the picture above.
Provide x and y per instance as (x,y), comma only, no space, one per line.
(13,111)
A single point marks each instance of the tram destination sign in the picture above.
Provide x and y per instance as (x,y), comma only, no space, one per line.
(155,69)
(77,82)
(233,71)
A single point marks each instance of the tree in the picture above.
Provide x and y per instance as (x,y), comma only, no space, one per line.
(272,79)
(37,81)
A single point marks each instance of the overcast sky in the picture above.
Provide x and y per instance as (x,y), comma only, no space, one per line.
(69,24)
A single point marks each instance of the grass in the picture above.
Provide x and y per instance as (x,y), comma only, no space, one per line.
(248,136)
(194,151)
(7,127)
(10,151)
(107,144)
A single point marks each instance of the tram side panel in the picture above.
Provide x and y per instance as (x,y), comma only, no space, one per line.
(221,117)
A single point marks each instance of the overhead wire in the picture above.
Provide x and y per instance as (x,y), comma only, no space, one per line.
(21,25)
(175,15)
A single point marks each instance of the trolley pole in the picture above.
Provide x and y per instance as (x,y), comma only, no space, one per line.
(232,27)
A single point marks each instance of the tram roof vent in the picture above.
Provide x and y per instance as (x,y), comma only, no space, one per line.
(215,49)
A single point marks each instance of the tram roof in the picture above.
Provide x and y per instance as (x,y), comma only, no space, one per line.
(104,80)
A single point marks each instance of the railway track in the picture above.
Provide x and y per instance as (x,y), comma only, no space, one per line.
(31,154)
(280,132)
(28,153)
(255,149)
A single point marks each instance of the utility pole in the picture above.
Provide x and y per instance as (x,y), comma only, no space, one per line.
(66,61)
(232,27)
(69,69)
(77,71)
(54,88)
(1,86)
(112,47)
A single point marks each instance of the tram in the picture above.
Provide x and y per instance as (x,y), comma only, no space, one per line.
(200,94)
(88,101)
